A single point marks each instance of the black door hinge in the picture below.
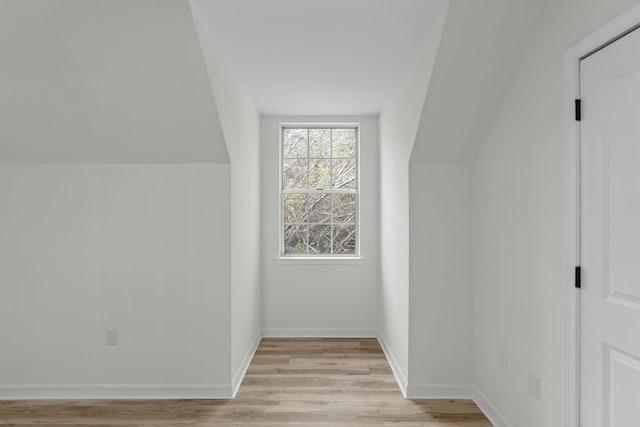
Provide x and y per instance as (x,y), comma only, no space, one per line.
(578,276)
(578,110)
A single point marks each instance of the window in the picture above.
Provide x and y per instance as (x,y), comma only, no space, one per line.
(319,191)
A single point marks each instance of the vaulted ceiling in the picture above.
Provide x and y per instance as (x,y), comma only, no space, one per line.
(125,80)
(333,57)
(104,81)
(481,47)
(310,57)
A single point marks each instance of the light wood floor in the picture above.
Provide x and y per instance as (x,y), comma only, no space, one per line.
(300,382)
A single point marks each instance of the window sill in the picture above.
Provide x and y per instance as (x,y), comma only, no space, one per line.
(320,260)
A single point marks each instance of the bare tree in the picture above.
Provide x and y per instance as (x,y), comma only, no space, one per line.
(318,219)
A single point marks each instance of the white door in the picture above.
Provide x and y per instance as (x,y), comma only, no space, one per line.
(610,248)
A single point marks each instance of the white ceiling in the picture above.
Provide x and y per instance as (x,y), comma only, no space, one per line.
(319,57)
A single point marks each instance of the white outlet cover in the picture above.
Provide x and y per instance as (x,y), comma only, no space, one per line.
(535,385)
(504,361)
(112,336)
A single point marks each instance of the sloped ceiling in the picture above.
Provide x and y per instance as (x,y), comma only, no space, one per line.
(480,49)
(104,81)
(319,57)
(401,115)
(125,80)
(236,111)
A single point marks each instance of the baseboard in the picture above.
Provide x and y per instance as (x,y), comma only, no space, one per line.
(244,365)
(489,410)
(439,391)
(401,379)
(114,391)
(229,391)
(318,333)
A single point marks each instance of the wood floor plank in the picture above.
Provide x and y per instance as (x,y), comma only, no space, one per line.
(303,382)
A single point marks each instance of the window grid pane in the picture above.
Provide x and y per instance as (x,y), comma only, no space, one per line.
(320,193)
(295,143)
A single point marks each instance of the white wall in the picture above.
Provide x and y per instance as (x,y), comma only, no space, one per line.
(321,299)
(394,265)
(156,91)
(519,279)
(241,127)
(440,273)
(398,126)
(140,248)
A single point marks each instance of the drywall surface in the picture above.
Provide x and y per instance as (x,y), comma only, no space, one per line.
(394,248)
(241,128)
(118,81)
(311,58)
(519,280)
(440,273)
(480,49)
(320,299)
(398,125)
(143,249)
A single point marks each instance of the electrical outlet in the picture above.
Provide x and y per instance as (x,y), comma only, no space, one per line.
(504,360)
(112,337)
(535,385)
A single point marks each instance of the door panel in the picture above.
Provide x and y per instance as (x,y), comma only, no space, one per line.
(623,374)
(623,190)
(610,209)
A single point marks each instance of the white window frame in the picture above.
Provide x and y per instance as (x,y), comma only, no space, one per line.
(315,258)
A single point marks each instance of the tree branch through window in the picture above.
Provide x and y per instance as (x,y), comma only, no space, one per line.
(319,191)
